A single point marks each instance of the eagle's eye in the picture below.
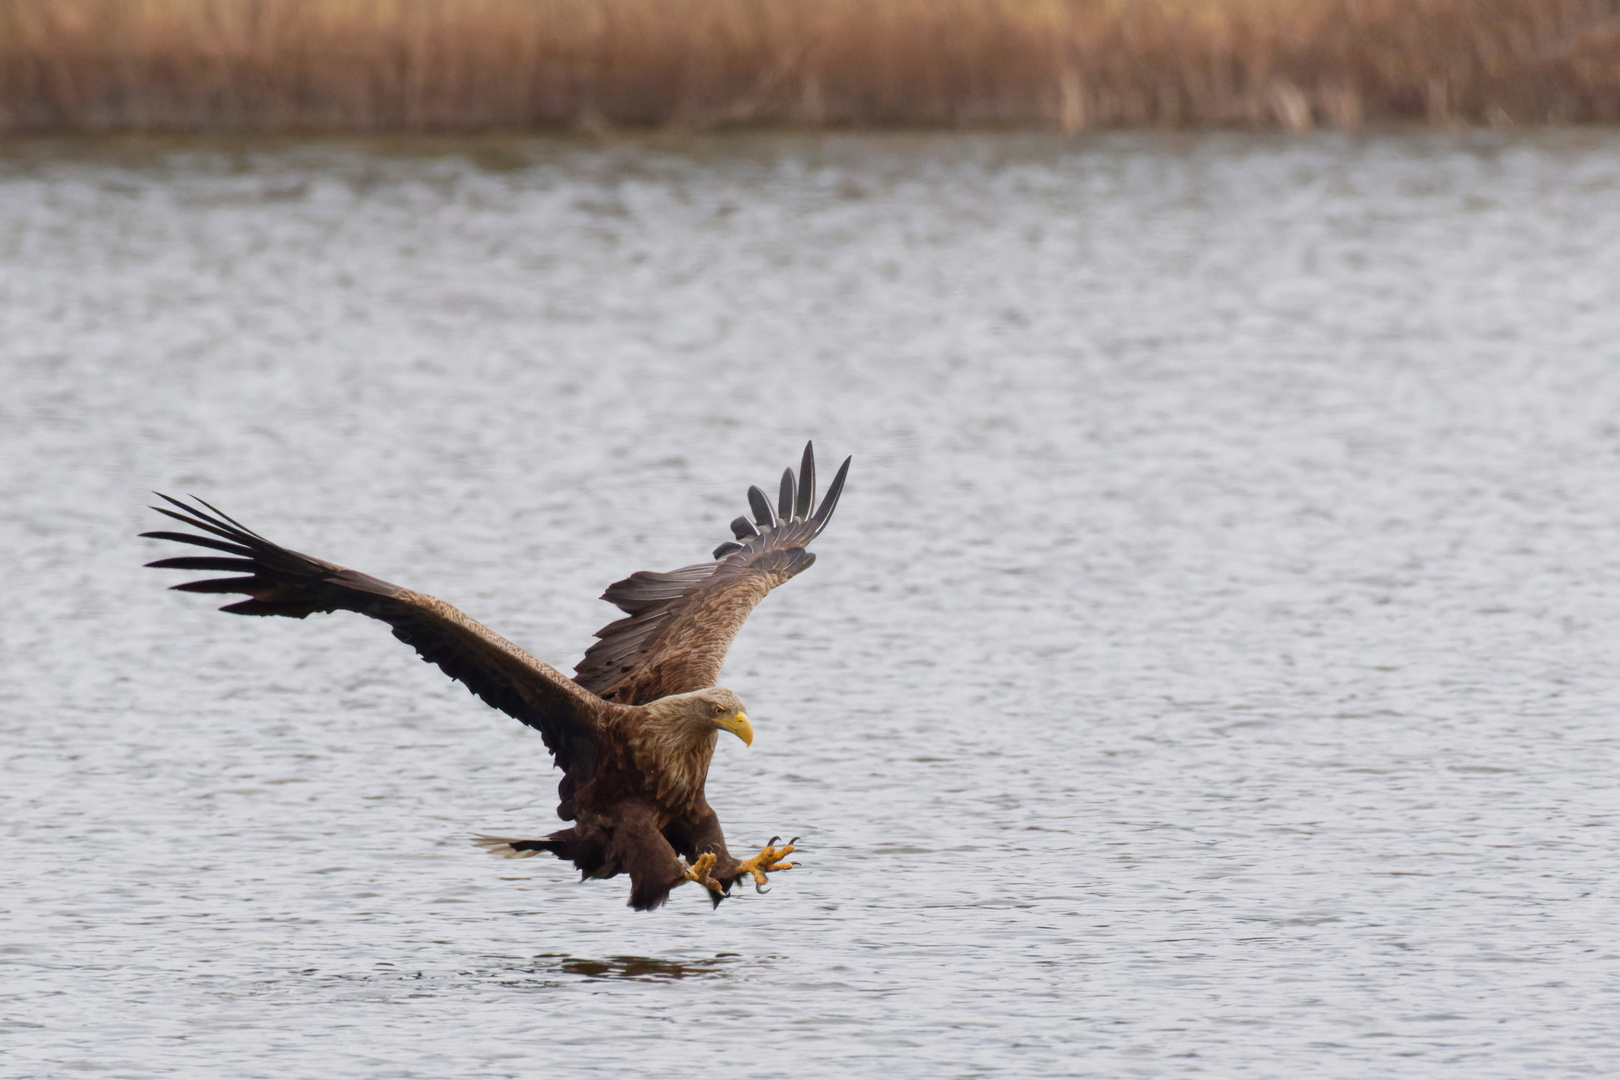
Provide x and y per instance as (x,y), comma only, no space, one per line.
(719,710)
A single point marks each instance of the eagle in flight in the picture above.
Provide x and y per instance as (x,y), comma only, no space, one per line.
(633,731)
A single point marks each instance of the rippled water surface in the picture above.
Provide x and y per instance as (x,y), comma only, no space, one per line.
(1210,671)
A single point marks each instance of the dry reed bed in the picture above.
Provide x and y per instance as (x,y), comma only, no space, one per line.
(458,65)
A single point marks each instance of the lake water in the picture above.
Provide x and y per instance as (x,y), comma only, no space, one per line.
(1210,670)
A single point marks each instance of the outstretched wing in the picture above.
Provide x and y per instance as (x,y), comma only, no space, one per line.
(283,582)
(680,624)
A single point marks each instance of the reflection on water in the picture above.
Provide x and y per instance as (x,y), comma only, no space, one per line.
(1210,669)
(646,968)
(538,972)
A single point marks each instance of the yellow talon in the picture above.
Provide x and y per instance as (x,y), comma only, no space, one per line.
(699,872)
(766,862)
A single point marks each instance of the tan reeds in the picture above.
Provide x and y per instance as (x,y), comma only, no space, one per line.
(458,65)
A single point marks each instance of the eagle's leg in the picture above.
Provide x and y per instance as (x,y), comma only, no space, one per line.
(698,835)
(700,872)
(766,862)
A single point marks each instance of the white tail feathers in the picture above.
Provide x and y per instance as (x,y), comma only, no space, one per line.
(504,846)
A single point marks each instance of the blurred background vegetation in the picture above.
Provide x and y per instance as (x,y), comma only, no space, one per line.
(511,65)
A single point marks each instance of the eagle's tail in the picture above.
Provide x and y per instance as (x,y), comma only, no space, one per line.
(581,846)
(509,848)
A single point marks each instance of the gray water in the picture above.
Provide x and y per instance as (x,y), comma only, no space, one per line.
(1210,670)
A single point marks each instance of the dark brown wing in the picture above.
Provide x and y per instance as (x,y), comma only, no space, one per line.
(680,624)
(283,582)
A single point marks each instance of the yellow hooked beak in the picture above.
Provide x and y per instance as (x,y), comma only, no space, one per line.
(737,723)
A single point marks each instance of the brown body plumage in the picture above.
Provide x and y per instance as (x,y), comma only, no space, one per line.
(633,731)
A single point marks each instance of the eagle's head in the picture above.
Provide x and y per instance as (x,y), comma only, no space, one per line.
(714,707)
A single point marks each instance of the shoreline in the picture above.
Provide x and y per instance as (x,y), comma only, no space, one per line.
(393,67)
